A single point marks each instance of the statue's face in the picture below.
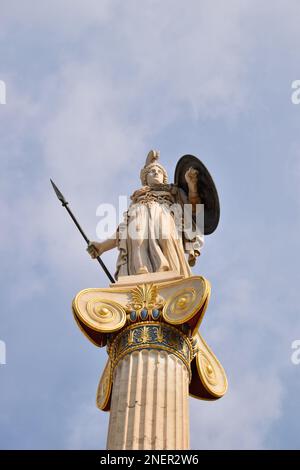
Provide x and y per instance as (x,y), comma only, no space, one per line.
(155,176)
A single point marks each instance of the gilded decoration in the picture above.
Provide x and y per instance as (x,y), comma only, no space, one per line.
(162,315)
(150,335)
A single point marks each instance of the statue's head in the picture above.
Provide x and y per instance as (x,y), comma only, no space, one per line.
(153,172)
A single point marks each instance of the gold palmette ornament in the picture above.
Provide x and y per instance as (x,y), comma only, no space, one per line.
(163,316)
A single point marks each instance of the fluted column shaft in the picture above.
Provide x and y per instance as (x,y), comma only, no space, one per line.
(149,407)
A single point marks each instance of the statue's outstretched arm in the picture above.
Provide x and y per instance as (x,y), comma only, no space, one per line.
(97,248)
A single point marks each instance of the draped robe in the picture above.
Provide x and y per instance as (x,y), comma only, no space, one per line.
(149,239)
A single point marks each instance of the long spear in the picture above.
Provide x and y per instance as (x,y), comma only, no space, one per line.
(65,204)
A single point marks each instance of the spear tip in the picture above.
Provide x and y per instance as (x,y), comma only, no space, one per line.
(58,193)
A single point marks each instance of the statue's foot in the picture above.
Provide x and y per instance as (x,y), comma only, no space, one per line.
(163,268)
(143,270)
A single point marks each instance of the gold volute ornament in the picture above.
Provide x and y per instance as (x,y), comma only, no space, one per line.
(179,305)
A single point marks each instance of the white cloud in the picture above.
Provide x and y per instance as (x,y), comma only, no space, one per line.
(243,418)
(192,57)
(87,428)
(69,17)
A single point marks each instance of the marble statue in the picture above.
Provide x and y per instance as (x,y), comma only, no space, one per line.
(149,239)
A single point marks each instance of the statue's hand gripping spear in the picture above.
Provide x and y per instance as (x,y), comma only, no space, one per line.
(65,204)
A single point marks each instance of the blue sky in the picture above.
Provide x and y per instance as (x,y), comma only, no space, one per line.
(92,86)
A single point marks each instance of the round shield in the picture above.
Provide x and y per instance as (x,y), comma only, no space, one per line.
(206,189)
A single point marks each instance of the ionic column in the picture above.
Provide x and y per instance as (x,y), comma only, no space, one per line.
(149,405)
(157,357)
